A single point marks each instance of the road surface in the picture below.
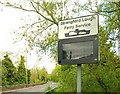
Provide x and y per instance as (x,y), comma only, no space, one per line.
(39,89)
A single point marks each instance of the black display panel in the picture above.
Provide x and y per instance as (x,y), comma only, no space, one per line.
(78,50)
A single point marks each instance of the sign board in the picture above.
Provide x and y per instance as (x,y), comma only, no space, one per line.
(78,41)
(78,27)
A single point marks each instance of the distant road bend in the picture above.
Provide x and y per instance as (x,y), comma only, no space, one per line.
(39,89)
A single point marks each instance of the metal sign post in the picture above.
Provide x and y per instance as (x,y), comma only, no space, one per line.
(79,76)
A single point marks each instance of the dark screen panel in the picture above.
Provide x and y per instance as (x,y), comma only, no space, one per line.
(77,50)
(81,50)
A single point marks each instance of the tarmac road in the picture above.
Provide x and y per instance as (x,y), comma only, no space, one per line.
(39,89)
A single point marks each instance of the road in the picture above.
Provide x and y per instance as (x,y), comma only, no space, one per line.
(39,89)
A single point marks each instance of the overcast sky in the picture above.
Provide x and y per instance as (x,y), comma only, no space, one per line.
(10,21)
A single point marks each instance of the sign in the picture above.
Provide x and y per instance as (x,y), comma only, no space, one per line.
(78,27)
(78,41)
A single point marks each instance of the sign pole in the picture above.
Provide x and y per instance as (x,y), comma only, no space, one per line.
(79,73)
(119,29)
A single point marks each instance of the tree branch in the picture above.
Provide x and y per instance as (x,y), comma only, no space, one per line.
(17,7)
(21,8)
(42,15)
(34,24)
(109,11)
(50,14)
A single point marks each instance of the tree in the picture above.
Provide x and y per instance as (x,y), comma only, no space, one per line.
(4,73)
(8,71)
(29,75)
(43,75)
(67,78)
(34,76)
(0,72)
(21,73)
(38,75)
(102,77)
(54,76)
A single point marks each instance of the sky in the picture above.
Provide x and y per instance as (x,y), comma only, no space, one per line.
(10,21)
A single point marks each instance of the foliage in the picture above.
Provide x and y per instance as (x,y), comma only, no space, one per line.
(43,74)
(0,73)
(66,77)
(8,71)
(12,75)
(21,73)
(54,76)
(4,75)
(48,88)
(34,76)
(28,75)
(102,77)
(38,75)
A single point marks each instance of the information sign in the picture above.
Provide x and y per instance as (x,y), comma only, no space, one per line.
(78,27)
(78,40)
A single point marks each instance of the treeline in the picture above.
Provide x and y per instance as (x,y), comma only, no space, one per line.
(39,75)
(12,75)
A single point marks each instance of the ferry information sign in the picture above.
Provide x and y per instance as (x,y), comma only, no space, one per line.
(78,40)
(78,27)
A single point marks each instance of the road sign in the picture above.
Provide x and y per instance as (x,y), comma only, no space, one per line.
(78,40)
(78,27)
